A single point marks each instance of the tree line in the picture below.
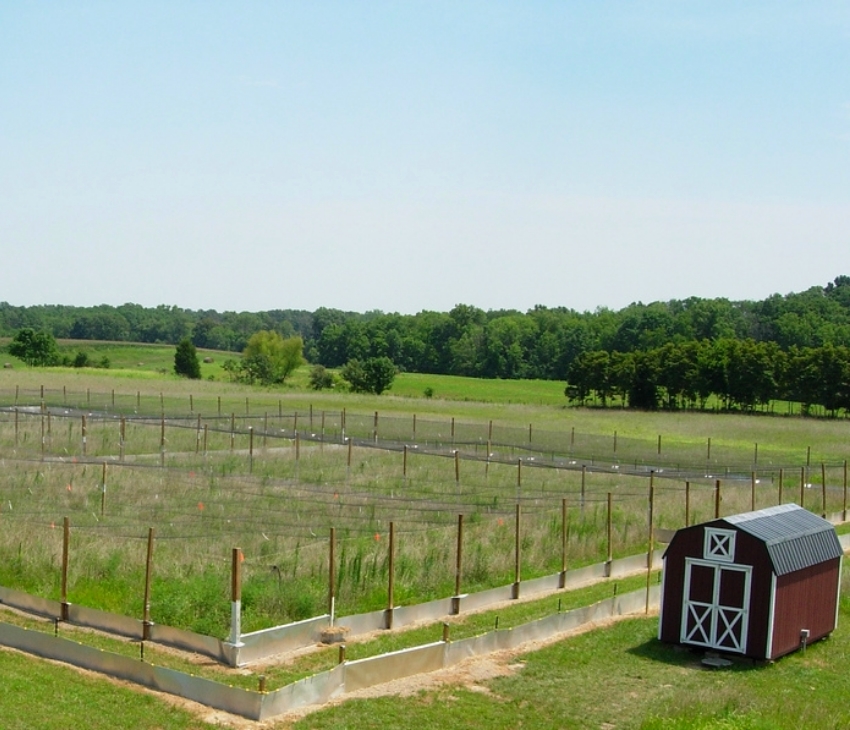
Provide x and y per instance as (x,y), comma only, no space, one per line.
(739,374)
(546,343)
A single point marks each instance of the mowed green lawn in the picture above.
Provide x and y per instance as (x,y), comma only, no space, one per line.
(42,695)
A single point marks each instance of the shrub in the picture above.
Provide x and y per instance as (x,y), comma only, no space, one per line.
(321,378)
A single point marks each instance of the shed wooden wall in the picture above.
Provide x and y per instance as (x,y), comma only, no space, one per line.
(805,599)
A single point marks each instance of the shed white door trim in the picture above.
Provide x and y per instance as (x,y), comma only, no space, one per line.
(716,601)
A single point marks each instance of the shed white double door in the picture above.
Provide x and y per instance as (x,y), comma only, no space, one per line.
(716,604)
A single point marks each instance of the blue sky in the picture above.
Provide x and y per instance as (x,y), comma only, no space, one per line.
(404,156)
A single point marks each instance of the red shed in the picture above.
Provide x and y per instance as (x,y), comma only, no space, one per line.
(755,584)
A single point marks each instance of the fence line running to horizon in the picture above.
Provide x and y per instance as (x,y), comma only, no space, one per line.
(489,441)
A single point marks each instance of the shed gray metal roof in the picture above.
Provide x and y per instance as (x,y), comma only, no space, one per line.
(795,538)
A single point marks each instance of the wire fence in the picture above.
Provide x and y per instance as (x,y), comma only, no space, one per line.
(277,482)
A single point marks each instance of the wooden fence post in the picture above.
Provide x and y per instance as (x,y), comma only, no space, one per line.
(103,491)
(752,491)
(583,479)
(404,465)
(236,597)
(391,577)
(517,552)
(562,582)
(458,564)
(651,547)
(332,576)
(146,618)
(66,548)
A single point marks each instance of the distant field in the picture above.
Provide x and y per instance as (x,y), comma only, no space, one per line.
(453,387)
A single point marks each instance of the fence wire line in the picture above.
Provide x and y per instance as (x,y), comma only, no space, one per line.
(468,450)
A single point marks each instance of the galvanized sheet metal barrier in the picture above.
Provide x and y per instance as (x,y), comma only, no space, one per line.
(266,643)
(212,694)
(31,604)
(262,644)
(318,689)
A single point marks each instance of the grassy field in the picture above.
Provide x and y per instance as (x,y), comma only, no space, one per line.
(279,506)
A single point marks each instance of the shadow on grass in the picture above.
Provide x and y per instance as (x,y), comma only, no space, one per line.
(690,657)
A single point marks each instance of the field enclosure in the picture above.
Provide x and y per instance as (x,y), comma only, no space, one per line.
(469,504)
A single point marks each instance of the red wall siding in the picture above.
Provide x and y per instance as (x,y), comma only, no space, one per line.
(805,600)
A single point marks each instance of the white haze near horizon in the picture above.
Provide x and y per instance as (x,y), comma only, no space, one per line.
(413,156)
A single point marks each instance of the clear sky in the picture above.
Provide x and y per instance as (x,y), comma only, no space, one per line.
(410,155)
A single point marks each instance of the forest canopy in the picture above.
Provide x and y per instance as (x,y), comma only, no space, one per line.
(685,349)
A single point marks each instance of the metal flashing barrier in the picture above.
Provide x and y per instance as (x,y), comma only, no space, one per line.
(31,604)
(212,694)
(112,623)
(546,584)
(635,564)
(315,690)
(430,611)
(363,623)
(396,665)
(280,639)
(207,646)
(482,599)
(318,689)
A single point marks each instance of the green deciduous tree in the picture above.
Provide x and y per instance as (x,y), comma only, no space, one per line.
(373,375)
(34,348)
(186,360)
(270,359)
